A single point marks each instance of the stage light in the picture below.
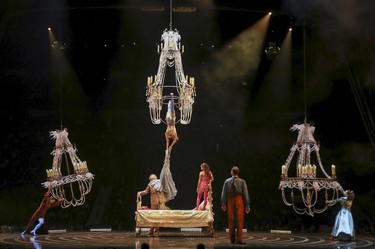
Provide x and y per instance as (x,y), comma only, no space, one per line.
(59,44)
(49,29)
(269,13)
(290,29)
(185,9)
(153,9)
(271,50)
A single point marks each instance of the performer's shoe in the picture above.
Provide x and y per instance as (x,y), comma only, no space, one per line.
(240,243)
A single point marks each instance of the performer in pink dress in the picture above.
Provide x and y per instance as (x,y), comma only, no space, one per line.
(47,202)
(204,184)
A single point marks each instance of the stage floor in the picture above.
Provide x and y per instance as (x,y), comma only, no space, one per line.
(179,240)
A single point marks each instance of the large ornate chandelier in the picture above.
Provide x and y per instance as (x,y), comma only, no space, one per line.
(305,187)
(61,181)
(182,92)
(72,183)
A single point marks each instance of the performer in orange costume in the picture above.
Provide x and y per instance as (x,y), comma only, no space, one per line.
(235,199)
(47,202)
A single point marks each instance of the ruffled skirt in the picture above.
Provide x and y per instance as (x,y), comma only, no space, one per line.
(344,226)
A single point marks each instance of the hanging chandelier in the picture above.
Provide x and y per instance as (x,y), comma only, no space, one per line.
(62,182)
(182,91)
(306,187)
(71,183)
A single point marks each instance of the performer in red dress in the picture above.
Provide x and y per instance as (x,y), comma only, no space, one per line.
(47,202)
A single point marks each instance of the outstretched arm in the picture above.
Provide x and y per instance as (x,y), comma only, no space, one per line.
(144,192)
(56,203)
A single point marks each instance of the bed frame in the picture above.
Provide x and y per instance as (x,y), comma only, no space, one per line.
(146,218)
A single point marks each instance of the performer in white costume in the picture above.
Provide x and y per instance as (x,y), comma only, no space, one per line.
(344,226)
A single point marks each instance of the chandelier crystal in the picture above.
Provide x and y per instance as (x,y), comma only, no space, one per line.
(182,92)
(70,186)
(306,187)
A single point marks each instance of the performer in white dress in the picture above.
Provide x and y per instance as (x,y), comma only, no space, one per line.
(344,226)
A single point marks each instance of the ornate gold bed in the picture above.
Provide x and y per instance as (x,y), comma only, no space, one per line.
(146,218)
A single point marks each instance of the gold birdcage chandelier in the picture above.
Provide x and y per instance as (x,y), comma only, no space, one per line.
(305,187)
(62,182)
(72,183)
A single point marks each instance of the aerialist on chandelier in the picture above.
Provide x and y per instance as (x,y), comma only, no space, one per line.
(47,202)
(171,132)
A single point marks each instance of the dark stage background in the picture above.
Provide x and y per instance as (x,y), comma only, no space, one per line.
(241,116)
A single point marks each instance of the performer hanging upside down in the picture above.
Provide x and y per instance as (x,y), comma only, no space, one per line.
(344,226)
(47,202)
(204,183)
(171,132)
